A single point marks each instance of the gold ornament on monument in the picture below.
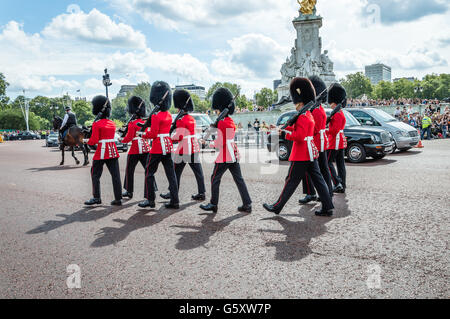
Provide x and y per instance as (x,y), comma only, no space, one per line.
(307,6)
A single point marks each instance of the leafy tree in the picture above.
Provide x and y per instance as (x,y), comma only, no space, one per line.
(384,90)
(243,103)
(265,98)
(3,98)
(83,111)
(199,105)
(234,88)
(143,91)
(12,119)
(119,109)
(403,88)
(356,85)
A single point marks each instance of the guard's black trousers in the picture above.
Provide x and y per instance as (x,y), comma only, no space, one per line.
(235,170)
(132,161)
(340,176)
(296,173)
(194,162)
(150,170)
(308,187)
(96,173)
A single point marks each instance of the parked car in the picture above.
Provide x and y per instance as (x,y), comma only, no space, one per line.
(120,146)
(24,136)
(405,136)
(52,140)
(362,141)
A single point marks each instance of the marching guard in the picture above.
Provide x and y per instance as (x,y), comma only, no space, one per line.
(228,158)
(337,139)
(321,142)
(103,133)
(140,147)
(188,147)
(304,152)
(162,147)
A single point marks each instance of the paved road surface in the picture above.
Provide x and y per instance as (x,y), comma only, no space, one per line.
(394,221)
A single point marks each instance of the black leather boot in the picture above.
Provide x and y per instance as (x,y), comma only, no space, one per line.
(93,201)
(199,197)
(146,204)
(210,208)
(324,213)
(271,209)
(165,196)
(245,209)
(172,206)
(127,195)
(339,189)
(117,202)
(307,199)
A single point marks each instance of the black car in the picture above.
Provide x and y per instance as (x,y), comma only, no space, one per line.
(362,141)
(24,136)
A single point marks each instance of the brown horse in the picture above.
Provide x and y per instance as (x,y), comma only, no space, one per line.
(74,137)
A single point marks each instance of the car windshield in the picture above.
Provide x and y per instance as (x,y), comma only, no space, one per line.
(202,120)
(351,120)
(381,116)
(53,135)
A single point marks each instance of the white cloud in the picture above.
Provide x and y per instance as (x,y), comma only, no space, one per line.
(94,27)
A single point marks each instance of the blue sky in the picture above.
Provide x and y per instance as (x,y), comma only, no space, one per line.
(51,47)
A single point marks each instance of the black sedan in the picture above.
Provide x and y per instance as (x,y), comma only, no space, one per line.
(24,136)
(362,141)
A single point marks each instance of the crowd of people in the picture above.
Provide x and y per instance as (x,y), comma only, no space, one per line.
(391,102)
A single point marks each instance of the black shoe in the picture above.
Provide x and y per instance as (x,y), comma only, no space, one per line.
(324,213)
(199,197)
(339,189)
(117,202)
(318,200)
(127,195)
(271,209)
(172,206)
(307,199)
(245,209)
(210,208)
(93,201)
(165,196)
(146,204)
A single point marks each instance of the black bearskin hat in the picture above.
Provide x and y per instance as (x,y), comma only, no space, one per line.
(180,97)
(337,94)
(221,100)
(319,86)
(136,105)
(302,91)
(159,89)
(98,103)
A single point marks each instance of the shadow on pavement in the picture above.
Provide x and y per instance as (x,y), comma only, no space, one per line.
(372,162)
(406,153)
(87,214)
(55,168)
(298,234)
(202,234)
(112,235)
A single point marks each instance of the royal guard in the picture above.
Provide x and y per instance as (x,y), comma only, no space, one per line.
(337,139)
(304,153)
(103,134)
(228,158)
(321,142)
(139,146)
(162,147)
(188,147)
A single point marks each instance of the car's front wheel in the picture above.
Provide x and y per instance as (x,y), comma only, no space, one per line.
(283,152)
(356,153)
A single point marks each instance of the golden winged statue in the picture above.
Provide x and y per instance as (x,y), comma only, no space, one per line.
(307,6)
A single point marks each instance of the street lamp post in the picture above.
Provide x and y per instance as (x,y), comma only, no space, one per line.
(419,89)
(25,110)
(106,81)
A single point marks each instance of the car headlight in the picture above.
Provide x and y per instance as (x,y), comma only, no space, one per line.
(375,138)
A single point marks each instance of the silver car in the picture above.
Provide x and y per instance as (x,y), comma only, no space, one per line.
(405,136)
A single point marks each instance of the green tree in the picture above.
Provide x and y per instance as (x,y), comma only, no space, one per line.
(3,98)
(199,105)
(83,111)
(143,91)
(265,98)
(234,88)
(119,109)
(403,88)
(356,85)
(12,119)
(243,103)
(384,90)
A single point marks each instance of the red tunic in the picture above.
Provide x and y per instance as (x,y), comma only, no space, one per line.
(185,135)
(103,134)
(336,137)
(302,134)
(160,133)
(138,145)
(228,151)
(320,132)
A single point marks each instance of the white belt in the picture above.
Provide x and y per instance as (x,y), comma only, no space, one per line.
(322,140)
(231,149)
(338,139)
(140,144)
(163,142)
(309,140)
(189,141)
(103,149)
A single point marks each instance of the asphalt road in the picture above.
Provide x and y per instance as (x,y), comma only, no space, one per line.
(389,237)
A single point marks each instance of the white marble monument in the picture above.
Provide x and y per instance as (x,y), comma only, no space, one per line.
(306,56)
